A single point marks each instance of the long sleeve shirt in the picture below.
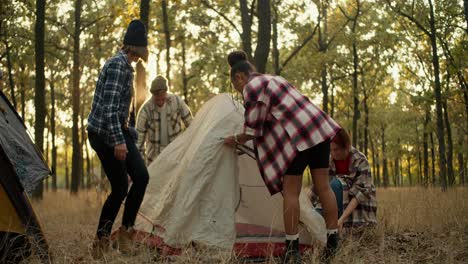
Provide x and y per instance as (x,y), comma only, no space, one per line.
(112,98)
(283,122)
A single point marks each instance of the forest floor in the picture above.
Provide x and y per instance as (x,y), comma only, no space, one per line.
(416,225)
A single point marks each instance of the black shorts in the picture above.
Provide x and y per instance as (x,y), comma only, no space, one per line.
(317,157)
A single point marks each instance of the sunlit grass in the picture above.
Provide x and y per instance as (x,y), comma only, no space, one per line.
(416,225)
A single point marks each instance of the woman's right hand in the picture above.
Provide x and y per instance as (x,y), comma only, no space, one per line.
(120,152)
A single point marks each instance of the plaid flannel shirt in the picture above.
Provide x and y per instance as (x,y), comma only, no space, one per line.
(358,184)
(283,122)
(149,125)
(112,98)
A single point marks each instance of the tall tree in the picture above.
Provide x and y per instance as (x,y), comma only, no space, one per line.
(39,95)
(77,157)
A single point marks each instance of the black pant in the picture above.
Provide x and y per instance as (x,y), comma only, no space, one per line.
(116,171)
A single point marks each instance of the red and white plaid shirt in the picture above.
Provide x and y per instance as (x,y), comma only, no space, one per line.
(283,122)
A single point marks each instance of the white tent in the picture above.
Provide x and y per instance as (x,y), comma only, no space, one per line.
(203,191)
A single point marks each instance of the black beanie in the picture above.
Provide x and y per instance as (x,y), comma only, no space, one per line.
(136,34)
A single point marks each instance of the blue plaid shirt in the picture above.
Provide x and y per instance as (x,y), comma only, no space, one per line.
(112,98)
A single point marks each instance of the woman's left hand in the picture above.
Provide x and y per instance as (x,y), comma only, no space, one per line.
(230,141)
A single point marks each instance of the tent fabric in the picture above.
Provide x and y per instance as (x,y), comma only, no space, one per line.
(203,191)
(9,219)
(192,193)
(19,148)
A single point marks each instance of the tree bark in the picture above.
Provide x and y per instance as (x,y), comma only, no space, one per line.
(77,157)
(185,77)
(67,168)
(384,157)
(264,35)
(433,161)
(140,76)
(39,95)
(461,161)
(23,92)
(246,20)
(167,33)
(323,48)
(10,75)
(450,170)
(52,131)
(410,177)
(438,96)
(426,144)
(275,51)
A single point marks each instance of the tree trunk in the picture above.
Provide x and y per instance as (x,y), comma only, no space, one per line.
(420,180)
(356,113)
(461,161)
(39,95)
(366,122)
(84,173)
(450,171)
(77,165)
(264,35)
(275,51)
(438,97)
(52,131)
(374,162)
(433,161)
(384,157)
(185,78)
(67,168)
(167,34)
(323,48)
(410,177)
(246,20)
(10,75)
(332,100)
(427,119)
(140,76)
(23,92)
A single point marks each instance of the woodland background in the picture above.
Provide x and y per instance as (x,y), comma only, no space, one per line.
(393,72)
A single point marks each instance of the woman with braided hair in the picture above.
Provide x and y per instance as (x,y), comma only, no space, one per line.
(289,134)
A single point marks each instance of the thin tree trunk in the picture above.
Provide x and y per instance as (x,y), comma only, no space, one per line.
(384,157)
(420,180)
(374,162)
(23,92)
(426,144)
(77,157)
(366,122)
(185,78)
(323,48)
(84,173)
(140,76)
(67,168)
(450,171)
(263,36)
(332,100)
(410,177)
(438,97)
(461,161)
(275,51)
(246,20)
(167,34)
(433,161)
(355,92)
(10,75)
(52,130)
(39,96)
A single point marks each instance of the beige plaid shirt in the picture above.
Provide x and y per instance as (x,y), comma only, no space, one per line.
(149,125)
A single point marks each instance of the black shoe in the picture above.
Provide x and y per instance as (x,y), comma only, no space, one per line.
(292,254)
(330,250)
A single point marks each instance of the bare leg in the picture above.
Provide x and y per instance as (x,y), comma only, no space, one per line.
(292,185)
(326,196)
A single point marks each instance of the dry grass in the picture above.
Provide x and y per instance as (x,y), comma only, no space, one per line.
(416,226)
